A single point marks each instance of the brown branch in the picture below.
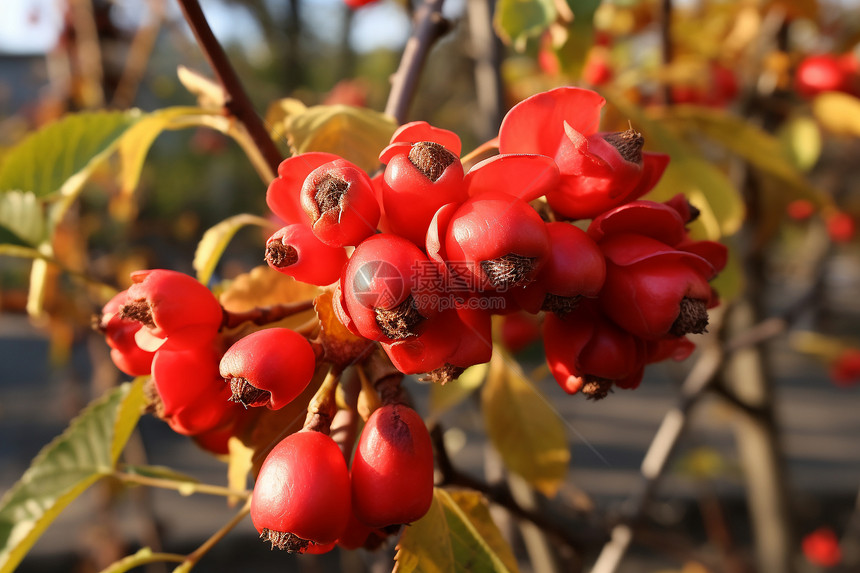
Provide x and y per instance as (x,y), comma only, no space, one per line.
(500,494)
(238,104)
(429,26)
(265,314)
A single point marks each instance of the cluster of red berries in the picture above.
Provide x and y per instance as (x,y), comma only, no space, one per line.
(821,73)
(435,251)
(418,259)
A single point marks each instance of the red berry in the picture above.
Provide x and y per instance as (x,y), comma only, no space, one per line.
(800,209)
(392,473)
(302,493)
(295,251)
(120,336)
(173,306)
(268,368)
(519,330)
(341,203)
(845,370)
(821,547)
(419,178)
(820,73)
(193,396)
(284,193)
(840,227)
(496,241)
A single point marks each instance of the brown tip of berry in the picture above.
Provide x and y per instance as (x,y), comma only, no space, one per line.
(154,404)
(560,305)
(329,193)
(284,541)
(628,143)
(431,158)
(694,212)
(96,323)
(138,310)
(280,255)
(401,321)
(510,270)
(693,318)
(596,388)
(443,374)
(247,395)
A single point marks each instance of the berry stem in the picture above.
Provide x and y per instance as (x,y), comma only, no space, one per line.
(323,406)
(183,487)
(195,556)
(265,314)
(429,26)
(385,378)
(237,103)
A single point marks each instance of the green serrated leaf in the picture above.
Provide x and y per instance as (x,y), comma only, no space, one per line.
(142,557)
(215,240)
(518,20)
(85,452)
(48,159)
(523,426)
(443,397)
(356,134)
(22,214)
(456,535)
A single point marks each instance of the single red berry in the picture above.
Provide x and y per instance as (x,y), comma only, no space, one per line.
(268,368)
(845,370)
(519,330)
(120,336)
(296,251)
(302,493)
(172,307)
(496,241)
(841,227)
(419,178)
(284,193)
(821,547)
(820,73)
(385,286)
(392,472)
(192,395)
(341,203)
(800,209)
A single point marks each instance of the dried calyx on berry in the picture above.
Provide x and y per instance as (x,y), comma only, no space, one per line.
(510,270)
(628,143)
(692,318)
(431,158)
(400,322)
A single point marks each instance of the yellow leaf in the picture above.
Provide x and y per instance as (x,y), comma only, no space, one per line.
(342,347)
(801,140)
(838,112)
(523,426)
(239,465)
(354,133)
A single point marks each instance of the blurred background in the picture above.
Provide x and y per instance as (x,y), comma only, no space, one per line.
(786,73)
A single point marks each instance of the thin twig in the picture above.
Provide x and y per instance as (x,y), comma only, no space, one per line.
(238,104)
(429,26)
(180,486)
(198,553)
(265,314)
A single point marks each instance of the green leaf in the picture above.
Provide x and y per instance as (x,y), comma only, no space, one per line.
(22,215)
(443,397)
(215,240)
(48,159)
(456,535)
(356,134)
(518,20)
(142,557)
(85,452)
(523,426)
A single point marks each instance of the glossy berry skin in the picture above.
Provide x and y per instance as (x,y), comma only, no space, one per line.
(489,227)
(821,73)
(278,361)
(119,335)
(392,472)
(173,306)
(339,199)
(585,345)
(194,396)
(284,193)
(303,489)
(297,252)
